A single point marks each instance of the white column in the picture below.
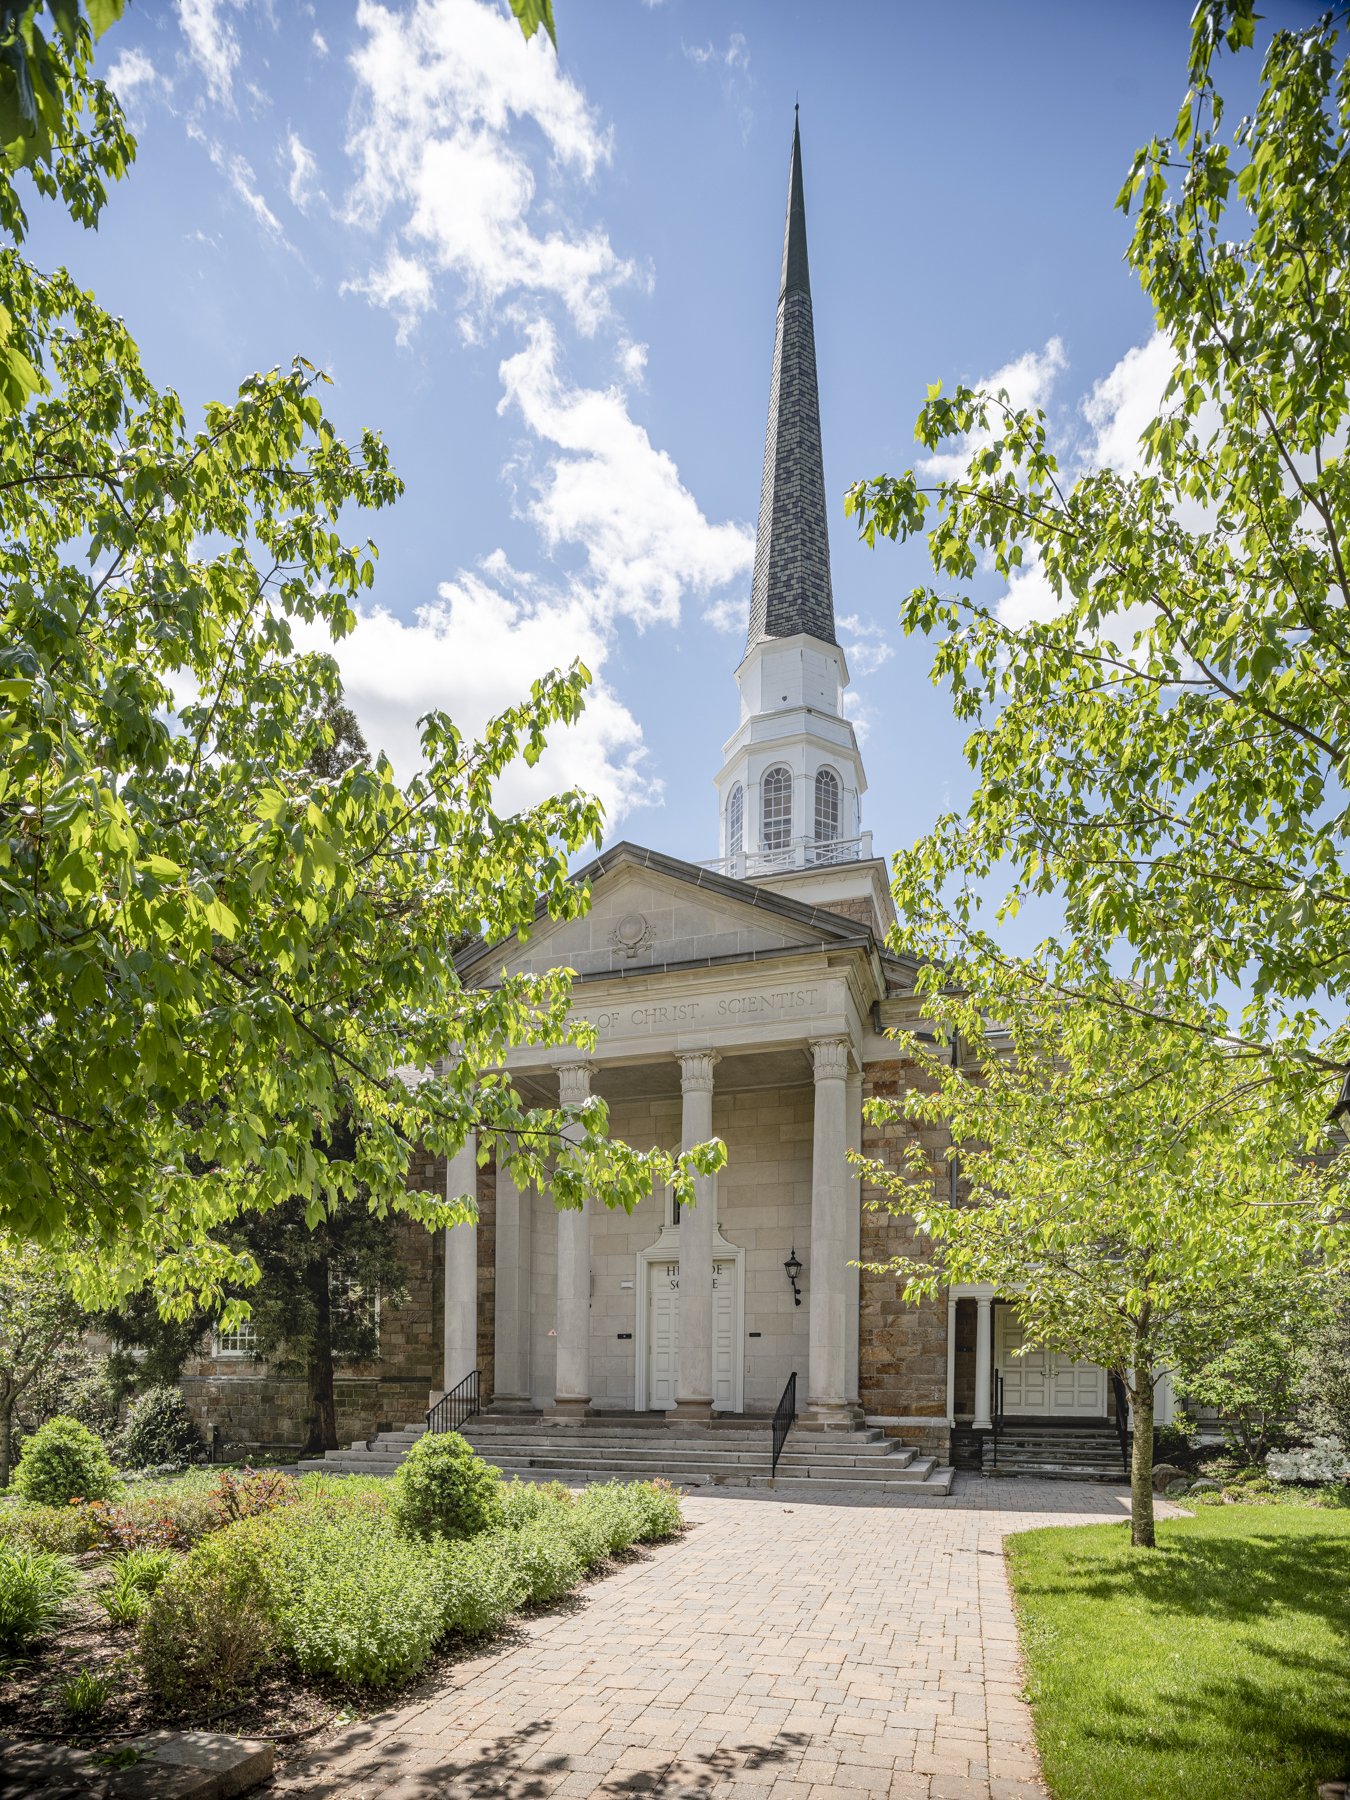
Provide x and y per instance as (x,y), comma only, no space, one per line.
(852,1274)
(951,1358)
(693,1387)
(984,1361)
(512,1281)
(572,1388)
(827,1384)
(461,1269)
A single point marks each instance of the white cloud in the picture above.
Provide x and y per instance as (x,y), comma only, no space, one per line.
(866,644)
(473,653)
(133,77)
(439,88)
(618,497)
(1123,402)
(1028,379)
(731,63)
(403,285)
(858,714)
(302,178)
(212,44)
(320,43)
(238,171)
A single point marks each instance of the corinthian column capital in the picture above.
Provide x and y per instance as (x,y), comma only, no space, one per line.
(696,1071)
(574,1082)
(831,1058)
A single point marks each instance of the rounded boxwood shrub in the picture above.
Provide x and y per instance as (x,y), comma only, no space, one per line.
(444,1489)
(160,1429)
(34,1587)
(205,1633)
(64,1461)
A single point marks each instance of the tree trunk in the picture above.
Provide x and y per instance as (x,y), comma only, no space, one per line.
(319,1364)
(1141,1460)
(6,1435)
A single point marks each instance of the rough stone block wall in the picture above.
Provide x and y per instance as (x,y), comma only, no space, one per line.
(902,1348)
(254,1408)
(858,912)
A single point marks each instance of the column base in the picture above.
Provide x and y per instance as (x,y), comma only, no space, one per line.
(690,1412)
(831,1415)
(511,1403)
(576,1408)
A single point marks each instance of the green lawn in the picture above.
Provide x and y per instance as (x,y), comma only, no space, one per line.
(1214,1668)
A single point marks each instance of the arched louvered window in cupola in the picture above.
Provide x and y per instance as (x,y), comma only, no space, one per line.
(736,821)
(776,816)
(827,806)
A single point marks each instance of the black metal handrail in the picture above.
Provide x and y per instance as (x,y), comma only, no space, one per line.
(997,1414)
(1122,1420)
(457,1406)
(782,1421)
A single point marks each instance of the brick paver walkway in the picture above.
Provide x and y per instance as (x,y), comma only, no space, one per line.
(785,1649)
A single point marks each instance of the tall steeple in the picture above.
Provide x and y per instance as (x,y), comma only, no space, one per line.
(791,589)
(791,782)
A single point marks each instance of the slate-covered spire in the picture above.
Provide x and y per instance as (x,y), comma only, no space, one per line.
(791,591)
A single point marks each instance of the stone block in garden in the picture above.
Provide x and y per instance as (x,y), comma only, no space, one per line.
(231,1765)
(46,1770)
(1163,1473)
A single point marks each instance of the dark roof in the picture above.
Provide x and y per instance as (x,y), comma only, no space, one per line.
(791,590)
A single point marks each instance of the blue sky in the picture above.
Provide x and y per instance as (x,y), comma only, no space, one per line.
(551,283)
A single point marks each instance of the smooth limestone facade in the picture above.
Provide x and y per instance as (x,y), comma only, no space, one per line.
(747,998)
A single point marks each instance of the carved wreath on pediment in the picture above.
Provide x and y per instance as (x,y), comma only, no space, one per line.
(631,934)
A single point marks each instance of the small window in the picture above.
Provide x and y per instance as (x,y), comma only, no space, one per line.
(776,829)
(736,821)
(827,806)
(241,1341)
(354,1305)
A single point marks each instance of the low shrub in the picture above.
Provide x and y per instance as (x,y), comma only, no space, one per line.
(252,1491)
(658,1505)
(206,1632)
(160,1428)
(589,1531)
(135,1577)
(172,1520)
(444,1489)
(614,1509)
(84,1697)
(356,1601)
(525,1501)
(546,1557)
(1324,1460)
(66,1530)
(64,1461)
(480,1581)
(34,1587)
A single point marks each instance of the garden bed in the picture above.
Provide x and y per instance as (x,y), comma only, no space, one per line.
(1215,1665)
(354,1587)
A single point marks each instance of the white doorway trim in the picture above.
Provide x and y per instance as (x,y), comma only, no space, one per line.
(667,1249)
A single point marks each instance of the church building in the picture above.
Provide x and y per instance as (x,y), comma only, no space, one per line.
(746,997)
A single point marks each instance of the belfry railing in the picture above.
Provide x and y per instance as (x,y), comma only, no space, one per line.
(797,853)
(457,1406)
(784,1414)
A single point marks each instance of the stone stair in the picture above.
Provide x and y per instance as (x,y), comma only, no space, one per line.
(1054,1452)
(734,1453)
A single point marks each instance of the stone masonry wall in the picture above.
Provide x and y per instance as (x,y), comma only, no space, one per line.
(256,1409)
(902,1348)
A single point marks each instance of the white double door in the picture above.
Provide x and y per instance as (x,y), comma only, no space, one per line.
(1042,1384)
(663,1335)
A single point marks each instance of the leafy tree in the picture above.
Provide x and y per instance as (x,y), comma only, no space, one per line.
(1324,1383)
(38,1319)
(1254,1379)
(211,959)
(1127,1181)
(1166,753)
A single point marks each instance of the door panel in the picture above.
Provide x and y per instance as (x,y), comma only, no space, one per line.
(724,1337)
(1043,1383)
(663,1334)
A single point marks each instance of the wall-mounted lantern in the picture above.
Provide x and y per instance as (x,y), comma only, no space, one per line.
(793,1268)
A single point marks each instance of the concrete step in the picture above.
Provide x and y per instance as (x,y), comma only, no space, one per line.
(922,1476)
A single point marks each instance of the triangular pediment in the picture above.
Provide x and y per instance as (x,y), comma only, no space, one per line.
(654,911)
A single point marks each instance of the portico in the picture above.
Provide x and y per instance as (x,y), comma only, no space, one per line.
(750,1025)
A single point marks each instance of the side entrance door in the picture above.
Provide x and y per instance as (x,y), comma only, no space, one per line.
(1043,1384)
(663,1334)
(725,1342)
